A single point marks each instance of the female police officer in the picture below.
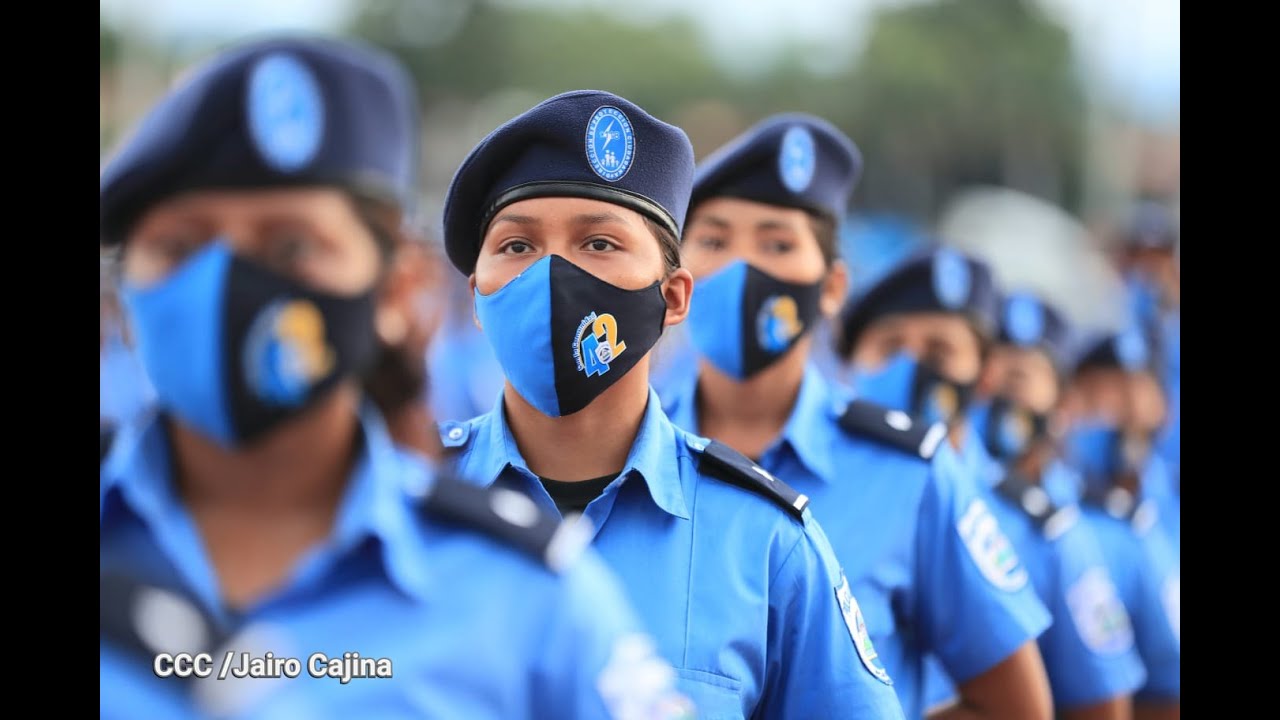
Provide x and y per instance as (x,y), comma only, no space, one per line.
(566,220)
(264,520)
(760,242)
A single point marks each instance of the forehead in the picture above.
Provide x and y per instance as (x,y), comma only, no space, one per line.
(1100,380)
(747,212)
(1028,360)
(924,324)
(560,210)
(252,200)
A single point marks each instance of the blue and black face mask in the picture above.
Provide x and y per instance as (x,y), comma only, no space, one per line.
(1103,452)
(563,335)
(916,388)
(234,350)
(1007,431)
(742,319)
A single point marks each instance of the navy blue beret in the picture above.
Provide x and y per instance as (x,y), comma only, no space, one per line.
(1029,322)
(940,280)
(1127,350)
(281,111)
(586,143)
(792,160)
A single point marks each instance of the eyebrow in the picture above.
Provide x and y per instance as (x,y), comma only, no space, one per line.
(517,219)
(713,220)
(598,218)
(773,225)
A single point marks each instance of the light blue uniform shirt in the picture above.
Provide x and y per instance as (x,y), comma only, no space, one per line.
(744,598)
(1089,650)
(124,391)
(1146,570)
(910,536)
(472,627)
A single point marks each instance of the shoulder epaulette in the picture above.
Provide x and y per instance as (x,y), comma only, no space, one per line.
(1051,519)
(724,463)
(893,428)
(507,515)
(1121,504)
(144,619)
(454,435)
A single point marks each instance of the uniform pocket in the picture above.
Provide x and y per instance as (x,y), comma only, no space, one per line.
(716,697)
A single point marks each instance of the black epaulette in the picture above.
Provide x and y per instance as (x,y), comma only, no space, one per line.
(723,462)
(106,433)
(1122,505)
(126,605)
(893,428)
(508,515)
(1051,519)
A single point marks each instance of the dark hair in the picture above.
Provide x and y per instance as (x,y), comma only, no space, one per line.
(668,243)
(824,229)
(382,221)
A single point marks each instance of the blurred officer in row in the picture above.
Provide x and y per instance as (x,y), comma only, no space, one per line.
(760,243)
(1089,651)
(123,388)
(915,341)
(1114,408)
(567,221)
(1148,260)
(264,508)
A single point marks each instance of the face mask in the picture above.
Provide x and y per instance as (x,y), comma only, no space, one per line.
(234,350)
(744,320)
(904,384)
(563,335)
(1102,452)
(1007,430)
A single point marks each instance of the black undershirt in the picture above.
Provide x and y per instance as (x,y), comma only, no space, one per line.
(574,496)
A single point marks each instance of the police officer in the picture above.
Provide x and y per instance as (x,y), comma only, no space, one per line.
(566,220)
(1147,258)
(123,389)
(262,527)
(1113,408)
(1088,650)
(760,242)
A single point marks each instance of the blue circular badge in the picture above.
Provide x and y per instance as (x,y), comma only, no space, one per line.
(285,112)
(611,143)
(951,278)
(797,159)
(1024,320)
(1131,349)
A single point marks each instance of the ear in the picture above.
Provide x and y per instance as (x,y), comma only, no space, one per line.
(471,293)
(677,291)
(834,288)
(402,319)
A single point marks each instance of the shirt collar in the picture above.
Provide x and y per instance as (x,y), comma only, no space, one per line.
(653,455)
(810,430)
(379,501)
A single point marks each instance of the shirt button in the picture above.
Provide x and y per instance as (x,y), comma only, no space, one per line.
(455,433)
